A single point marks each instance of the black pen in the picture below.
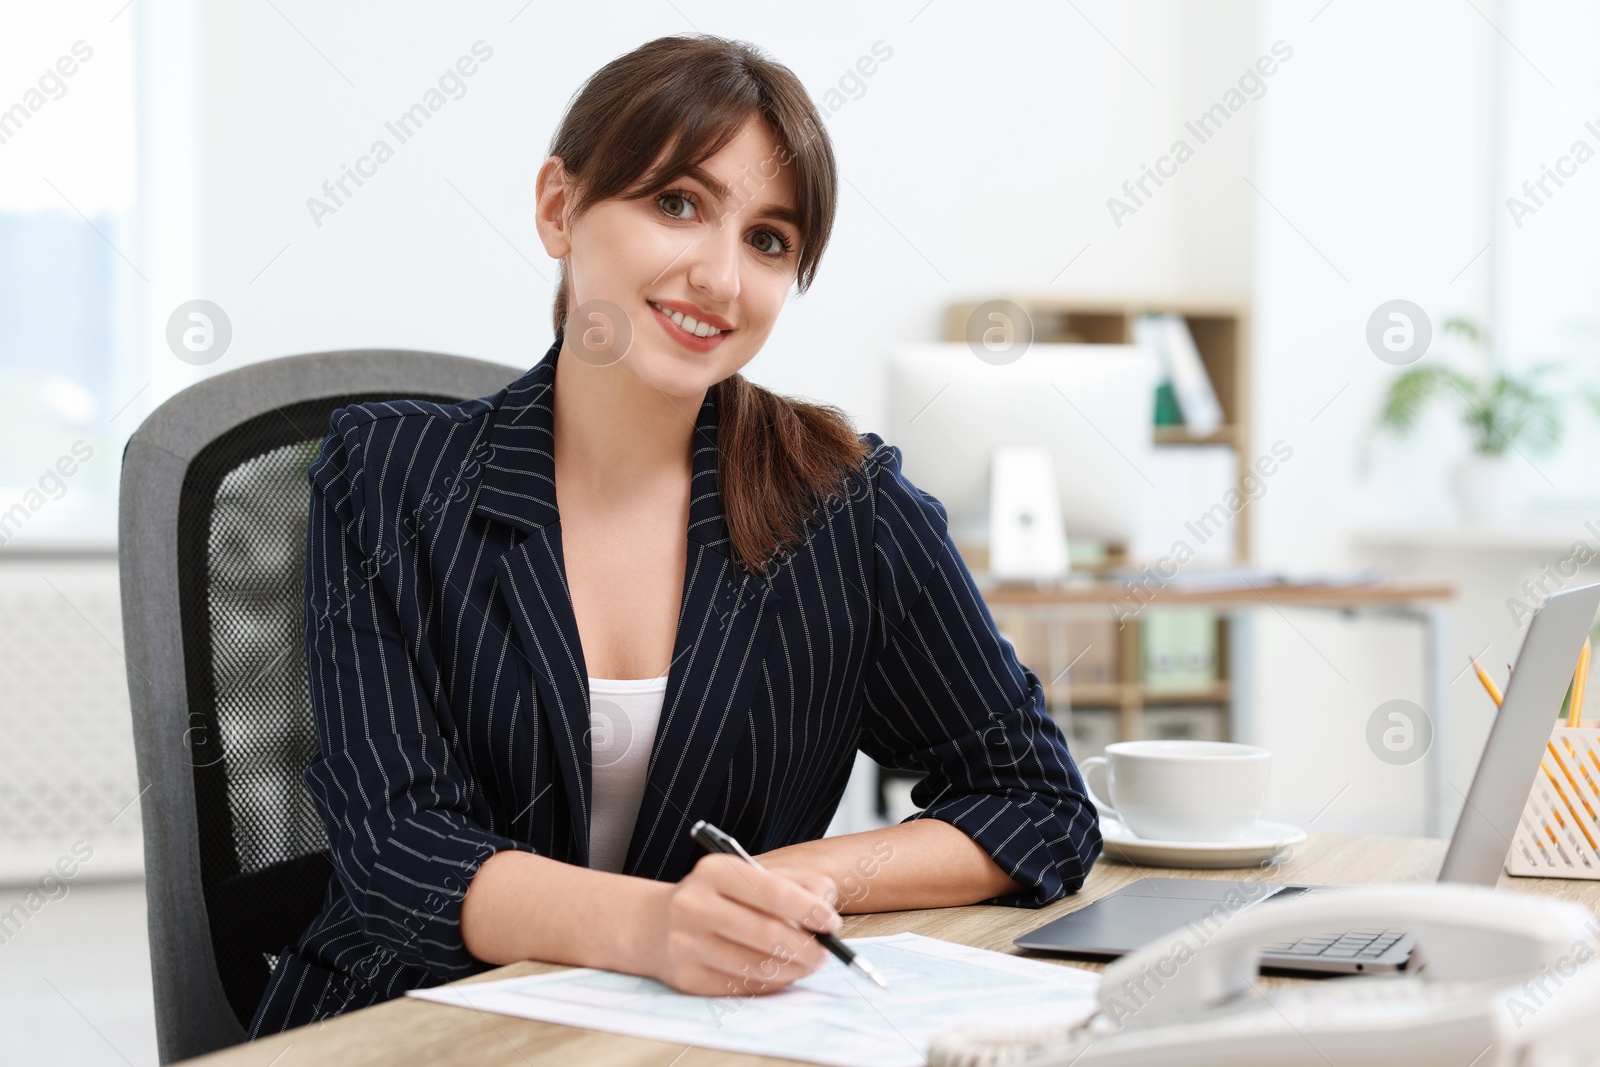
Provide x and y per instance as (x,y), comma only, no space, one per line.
(714,840)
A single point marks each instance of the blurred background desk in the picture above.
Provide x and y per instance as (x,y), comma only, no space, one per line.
(1058,631)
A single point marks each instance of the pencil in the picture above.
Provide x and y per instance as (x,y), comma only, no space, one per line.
(1562,793)
(1488,682)
(1579,680)
(1573,782)
(1577,759)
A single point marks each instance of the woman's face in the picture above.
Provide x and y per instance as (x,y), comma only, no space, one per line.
(721,245)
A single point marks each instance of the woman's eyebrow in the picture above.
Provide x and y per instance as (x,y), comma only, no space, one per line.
(780,212)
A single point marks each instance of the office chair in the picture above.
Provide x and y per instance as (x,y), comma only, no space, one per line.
(211,553)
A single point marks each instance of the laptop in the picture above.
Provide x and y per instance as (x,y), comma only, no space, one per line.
(1150,907)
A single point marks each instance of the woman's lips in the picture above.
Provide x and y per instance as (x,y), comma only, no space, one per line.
(684,337)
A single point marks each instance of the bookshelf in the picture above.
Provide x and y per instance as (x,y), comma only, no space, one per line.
(1221,331)
(1113,703)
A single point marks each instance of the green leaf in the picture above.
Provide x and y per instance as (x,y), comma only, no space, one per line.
(1411,391)
(1464,327)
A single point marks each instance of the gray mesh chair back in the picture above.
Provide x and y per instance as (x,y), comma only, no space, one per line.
(212,534)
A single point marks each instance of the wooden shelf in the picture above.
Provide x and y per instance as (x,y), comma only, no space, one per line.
(1216,693)
(1116,694)
(1092,695)
(1221,330)
(1178,435)
(1304,594)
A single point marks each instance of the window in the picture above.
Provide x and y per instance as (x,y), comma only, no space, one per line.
(66,211)
(1547,226)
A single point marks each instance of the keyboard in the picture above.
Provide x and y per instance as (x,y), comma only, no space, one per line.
(1354,945)
(1351,945)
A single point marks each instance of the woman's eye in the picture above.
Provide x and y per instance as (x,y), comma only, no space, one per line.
(672,203)
(678,204)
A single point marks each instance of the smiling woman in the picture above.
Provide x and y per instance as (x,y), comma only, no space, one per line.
(665,595)
(737,207)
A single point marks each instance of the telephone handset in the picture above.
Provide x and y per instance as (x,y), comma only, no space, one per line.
(1497,978)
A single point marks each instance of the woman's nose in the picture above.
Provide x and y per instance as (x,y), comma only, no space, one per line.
(714,264)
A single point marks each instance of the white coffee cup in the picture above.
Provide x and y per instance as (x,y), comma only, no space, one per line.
(1182,790)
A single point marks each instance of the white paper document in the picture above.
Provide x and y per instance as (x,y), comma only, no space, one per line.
(835,1016)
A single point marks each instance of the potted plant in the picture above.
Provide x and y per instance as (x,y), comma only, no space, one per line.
(1510,417)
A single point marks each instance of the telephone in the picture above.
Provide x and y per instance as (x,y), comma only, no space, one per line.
(1497,979)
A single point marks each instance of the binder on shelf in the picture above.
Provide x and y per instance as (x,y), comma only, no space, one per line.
(1185,722)
(1183,375)
(1180,649)
(1048,646)
(1092,651)
(1068,652)
(1167,413)
(1088,730)
(1197,400)
(1149,332)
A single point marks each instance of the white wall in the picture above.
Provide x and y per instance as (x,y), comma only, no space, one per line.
(1549,260)
(1375,150)
(978,159)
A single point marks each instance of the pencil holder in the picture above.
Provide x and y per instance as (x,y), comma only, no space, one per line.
(1559,833)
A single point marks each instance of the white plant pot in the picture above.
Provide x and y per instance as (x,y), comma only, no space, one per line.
(1491,488)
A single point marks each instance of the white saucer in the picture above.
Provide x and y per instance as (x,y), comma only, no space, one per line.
(1256,846)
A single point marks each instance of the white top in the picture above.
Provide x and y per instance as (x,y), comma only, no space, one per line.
(623,714)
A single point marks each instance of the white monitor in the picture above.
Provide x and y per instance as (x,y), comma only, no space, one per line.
(982,437)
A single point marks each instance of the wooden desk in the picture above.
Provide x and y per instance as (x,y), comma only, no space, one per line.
(408,1030)
(1296,594)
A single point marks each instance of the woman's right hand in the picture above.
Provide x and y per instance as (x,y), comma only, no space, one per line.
(730,929)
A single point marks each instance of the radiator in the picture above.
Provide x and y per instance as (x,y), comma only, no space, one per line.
(68,785)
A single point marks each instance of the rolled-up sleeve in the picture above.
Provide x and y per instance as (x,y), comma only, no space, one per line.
(947,695)
(394,800)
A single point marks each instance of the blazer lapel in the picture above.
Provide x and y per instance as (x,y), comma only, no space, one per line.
(519,488)
(724,623)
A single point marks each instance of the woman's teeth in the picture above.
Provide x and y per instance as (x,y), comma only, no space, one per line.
(689,324)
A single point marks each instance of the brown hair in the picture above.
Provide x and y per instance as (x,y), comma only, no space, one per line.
(682,99)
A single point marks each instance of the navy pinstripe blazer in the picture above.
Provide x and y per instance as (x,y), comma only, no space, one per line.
(451,698)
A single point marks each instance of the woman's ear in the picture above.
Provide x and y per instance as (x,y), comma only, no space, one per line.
(553,201)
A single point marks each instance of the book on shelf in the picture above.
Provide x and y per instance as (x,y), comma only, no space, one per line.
(1167,413)
(1088,730)
(1179,649)
(1185,722)
(1149,332)
(1092,651)
(1182,372)
(1066,652)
